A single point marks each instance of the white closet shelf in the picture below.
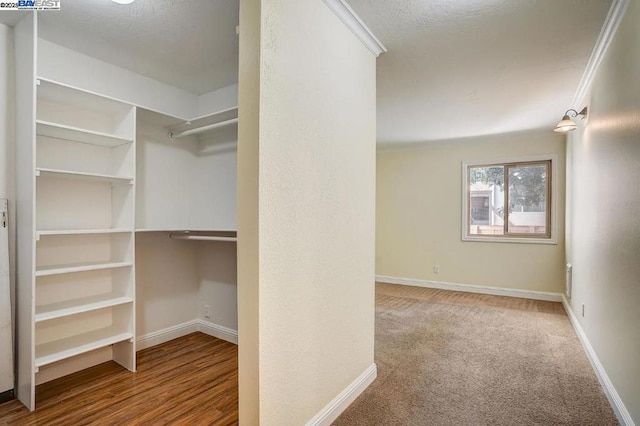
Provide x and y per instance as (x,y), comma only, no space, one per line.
(76,134)
(95,177)
(77,306)
(48,353)
(81,232)
(81,267)
(207,122)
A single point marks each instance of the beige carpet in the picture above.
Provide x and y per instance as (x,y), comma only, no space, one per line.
(451,358)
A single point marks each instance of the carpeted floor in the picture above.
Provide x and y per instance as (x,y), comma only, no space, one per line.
(451,358)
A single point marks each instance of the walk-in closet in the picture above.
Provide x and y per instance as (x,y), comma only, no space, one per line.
(126,186)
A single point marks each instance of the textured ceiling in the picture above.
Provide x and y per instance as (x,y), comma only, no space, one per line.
(11,17)
(476,67)
(190,44)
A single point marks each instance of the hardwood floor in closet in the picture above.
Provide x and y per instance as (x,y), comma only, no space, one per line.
(191,380)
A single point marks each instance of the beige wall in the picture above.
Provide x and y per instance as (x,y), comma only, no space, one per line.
(603,220)
(419,213)
(307,191)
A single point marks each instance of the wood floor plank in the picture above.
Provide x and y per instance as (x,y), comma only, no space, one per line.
(191,380)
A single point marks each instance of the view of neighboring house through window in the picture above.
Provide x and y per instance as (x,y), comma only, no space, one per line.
(509,200)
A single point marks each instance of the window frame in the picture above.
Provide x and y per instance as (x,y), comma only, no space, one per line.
(551,236)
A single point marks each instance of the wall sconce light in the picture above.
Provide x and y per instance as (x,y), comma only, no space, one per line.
(567,124)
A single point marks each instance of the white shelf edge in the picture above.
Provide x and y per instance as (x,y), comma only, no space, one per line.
(183,230)
(83,307)
(81,349)
(81,232)
(213,118)
(80,175)
(113,140)
(81,268)
(222,111)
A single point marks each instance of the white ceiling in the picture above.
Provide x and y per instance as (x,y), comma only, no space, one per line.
(476,67)
(190,44)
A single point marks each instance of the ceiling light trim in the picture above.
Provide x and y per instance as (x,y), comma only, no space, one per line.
(611,24)
(349,17)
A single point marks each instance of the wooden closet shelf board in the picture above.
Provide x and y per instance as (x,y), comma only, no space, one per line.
(77,306)
(70,133)
(48,353)
(96,177)
(83,267)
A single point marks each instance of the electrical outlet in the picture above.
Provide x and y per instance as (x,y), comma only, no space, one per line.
(207,312)
(436,269)
(583,309)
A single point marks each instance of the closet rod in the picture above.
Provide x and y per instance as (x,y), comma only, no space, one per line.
(176,135)
(201,237)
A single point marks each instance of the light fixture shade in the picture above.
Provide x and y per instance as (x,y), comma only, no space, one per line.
(123,1)
(566,125)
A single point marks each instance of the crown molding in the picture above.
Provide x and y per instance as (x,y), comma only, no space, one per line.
(608,31)
(349,17)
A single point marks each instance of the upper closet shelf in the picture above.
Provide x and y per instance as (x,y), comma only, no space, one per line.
(205,123)
(95,177)
(76,134)
(81,267)
(80,232)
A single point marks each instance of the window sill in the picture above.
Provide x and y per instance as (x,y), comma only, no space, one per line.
(547,241)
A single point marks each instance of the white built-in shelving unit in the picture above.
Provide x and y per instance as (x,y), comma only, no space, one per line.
(94,174)
(76,180)
(84,229)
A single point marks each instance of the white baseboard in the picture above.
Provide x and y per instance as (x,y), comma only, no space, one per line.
(170,333)
(218,331)
(340,403)
(624,417)
(164,335)
(470,288)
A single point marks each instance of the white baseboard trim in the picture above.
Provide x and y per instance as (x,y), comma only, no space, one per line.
(340,403)
(470,288)
(170,333)
(624,417)
(218,331)
(164,335)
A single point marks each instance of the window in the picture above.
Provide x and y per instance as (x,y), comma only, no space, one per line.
(508,200)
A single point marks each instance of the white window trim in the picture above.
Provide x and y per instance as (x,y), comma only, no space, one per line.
(554,200)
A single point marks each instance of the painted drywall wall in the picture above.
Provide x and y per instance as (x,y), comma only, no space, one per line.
(307,190)
(603,220)
(218,283)
(167,282)
(166,168)
(7,177)
(419,214)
